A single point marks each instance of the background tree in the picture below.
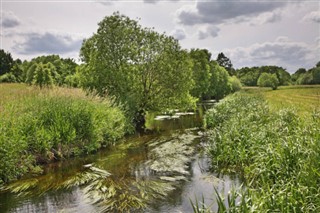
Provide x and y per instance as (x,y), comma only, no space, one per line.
(6,62)
(268,80)
(145,70)
(226,63)
(42,75)
(235,84)
(219,82)
(201,72)
(297,74)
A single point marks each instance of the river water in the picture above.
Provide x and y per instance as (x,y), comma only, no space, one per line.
(158,172)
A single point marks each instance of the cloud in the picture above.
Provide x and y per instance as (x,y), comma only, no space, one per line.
(179,34)
(225,11)
(47,43)
(281,52)
(313,16)
(9,19)
(268,17)
(210,31)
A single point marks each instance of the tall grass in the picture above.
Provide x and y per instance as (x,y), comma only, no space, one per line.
(278,153)
(45,125)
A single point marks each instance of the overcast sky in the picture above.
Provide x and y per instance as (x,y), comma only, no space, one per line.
(250,32)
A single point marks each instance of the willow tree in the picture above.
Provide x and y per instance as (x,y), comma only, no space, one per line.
(141,68)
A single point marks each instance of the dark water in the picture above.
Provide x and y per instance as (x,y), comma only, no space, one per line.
(172,158)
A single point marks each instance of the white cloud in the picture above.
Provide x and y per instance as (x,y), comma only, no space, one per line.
(268,17)
(281,52)
(313,16)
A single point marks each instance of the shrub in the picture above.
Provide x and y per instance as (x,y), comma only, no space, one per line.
(7,78)
(268,80)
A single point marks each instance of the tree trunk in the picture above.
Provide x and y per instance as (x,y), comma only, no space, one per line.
(140,121)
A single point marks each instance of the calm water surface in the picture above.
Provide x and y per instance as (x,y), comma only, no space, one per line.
(174,155)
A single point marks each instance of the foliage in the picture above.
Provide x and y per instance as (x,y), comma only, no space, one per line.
(225,62)
(8,78)
(277,153)
(235,84)
(42,75)
(249,75)
(141,68)
(6,62)
(219,86)
(268,80)
(201,72)
(47,125)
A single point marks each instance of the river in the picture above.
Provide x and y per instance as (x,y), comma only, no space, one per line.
(158,172)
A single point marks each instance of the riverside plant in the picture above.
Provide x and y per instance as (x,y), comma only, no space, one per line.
(47,125)
(276,152)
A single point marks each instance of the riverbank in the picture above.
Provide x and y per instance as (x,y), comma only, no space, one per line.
(277,151)
(41,126)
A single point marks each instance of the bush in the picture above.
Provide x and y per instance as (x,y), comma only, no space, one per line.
(235,84)
(7,78)
(268,80)
(277,153)
(50,126)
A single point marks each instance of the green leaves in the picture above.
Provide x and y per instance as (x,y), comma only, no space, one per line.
(141,68)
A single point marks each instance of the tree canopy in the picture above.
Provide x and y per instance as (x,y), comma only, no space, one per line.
(268,80)
(225,62)
(140,67)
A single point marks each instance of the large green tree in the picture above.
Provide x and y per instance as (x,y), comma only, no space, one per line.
(141,68)
(201,72)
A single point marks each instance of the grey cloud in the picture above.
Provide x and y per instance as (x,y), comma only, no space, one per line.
(48,43)
(179,34)
(9,20)
(211,31)
(313,16)
(222,11)
(281,52)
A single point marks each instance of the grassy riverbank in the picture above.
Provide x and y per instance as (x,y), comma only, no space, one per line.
(276,149)
(39,126)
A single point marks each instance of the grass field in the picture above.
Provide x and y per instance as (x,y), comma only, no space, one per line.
(304,99)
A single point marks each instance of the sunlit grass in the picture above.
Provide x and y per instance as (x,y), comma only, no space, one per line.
(303,99)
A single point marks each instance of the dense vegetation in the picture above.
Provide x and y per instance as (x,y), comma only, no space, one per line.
(277,152)
(42,126)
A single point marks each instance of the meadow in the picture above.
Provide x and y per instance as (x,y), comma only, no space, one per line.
(43,125)
(303,98)
(274,143)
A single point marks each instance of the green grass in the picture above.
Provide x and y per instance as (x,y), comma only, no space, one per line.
(276,151)
(39,126)
(305,99)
